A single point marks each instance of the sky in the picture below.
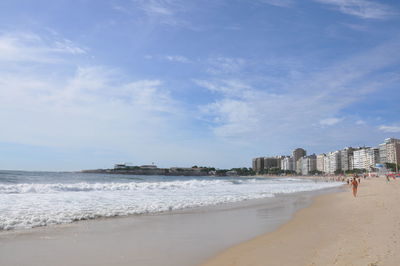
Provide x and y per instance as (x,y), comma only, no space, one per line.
(85,84)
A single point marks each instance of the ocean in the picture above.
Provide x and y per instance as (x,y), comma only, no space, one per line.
(32,199)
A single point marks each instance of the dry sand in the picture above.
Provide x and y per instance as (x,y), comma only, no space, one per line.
(337,229)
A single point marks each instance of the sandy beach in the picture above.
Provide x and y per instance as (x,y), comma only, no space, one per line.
(337,229)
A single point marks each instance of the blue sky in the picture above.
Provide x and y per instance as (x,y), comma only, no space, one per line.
(86,84)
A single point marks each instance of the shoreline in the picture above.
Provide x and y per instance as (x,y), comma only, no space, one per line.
(336,229)
(184,237)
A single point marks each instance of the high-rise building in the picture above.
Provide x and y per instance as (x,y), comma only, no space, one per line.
(360,160)
(258,164)
(334,159)
(297,154)
(321,162)
(372,158)
(308,164)
(270,162)
(389,151)
(287,163)
(346,159)
(327,165)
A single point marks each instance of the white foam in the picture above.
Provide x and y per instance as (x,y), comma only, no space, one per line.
(31,205)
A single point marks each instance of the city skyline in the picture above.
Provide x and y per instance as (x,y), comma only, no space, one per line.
(87,84)
(347,160)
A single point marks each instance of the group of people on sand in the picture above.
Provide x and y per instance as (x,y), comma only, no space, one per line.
(355,181)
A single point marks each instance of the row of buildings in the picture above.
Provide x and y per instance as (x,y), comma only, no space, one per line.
(340,161)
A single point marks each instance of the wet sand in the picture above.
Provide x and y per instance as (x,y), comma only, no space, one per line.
(180,238)
(337,229)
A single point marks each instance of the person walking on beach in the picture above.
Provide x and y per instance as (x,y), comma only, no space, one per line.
(354,185)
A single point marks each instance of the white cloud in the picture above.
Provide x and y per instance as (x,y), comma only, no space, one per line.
(67,46)
(226,87)
(177,58)
(225,65)
(360,122)
(166,12)
(330,121)
(56,102)
(361,8)
(246,110)
(390,129)
(30,47)
(279,3)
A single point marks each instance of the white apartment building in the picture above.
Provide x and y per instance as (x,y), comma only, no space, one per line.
(389,151)
(360,159)
(308,164)
(321,162)
(334,162)
(326,164)
(346,159)
(365,158)
(372,157)
(287,163)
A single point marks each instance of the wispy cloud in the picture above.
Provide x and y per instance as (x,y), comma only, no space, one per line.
(177,58)
(225,65)
(243,110)
(26,46)
(166,12)
(390,129)
(365,9)
(330,121)
(279,3)
(65,104)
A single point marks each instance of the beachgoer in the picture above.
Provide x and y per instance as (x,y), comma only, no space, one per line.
(354,185)
(387,178)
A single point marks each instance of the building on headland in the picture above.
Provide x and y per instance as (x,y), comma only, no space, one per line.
(122,165)
(389,151)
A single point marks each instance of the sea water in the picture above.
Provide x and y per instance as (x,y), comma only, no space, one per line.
(31,199)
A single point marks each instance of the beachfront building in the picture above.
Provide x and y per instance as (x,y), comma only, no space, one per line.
(298,166)
(271,162)
(372,158)
(389,151)
(360,160)
(365,158)
(326,164)
(346,159)
(279,160)
(321,158)
(258,164)
(297,154)
(334,162)
(287,163)
(308,164)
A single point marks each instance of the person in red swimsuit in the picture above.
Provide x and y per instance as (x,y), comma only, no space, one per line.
(354,185)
